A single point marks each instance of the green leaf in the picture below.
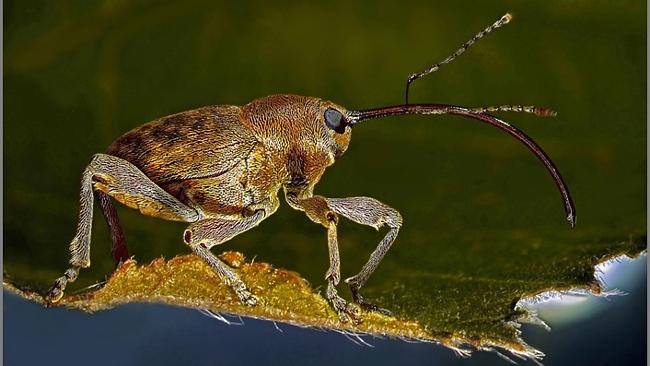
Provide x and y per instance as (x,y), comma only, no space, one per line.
(190,282)
(454,309)
(483,225)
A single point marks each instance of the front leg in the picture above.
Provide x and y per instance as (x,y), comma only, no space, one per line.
(371,212)
(362,210)
(318,211)
(345,310)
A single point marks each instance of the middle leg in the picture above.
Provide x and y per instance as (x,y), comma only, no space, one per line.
(202,235)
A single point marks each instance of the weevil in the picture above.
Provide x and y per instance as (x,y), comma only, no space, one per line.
(220,169)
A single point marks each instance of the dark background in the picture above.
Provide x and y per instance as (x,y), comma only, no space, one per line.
(77,74)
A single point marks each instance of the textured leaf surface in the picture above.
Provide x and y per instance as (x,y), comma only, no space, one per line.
(453,309)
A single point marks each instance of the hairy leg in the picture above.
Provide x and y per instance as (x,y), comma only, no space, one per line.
(371,212)
(362,210)
(125,182)
(204,234)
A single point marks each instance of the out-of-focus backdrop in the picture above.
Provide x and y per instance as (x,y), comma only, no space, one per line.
(78,74)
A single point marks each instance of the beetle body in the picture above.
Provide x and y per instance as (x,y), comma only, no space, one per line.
(220,168)
(227,160)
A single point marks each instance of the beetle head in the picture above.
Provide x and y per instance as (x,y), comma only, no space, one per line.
(312,123)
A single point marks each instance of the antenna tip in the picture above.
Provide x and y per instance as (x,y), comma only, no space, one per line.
(572,220)
(506,18)
(545,112)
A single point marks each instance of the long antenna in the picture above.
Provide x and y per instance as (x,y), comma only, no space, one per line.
(499,23)
(538,111)
(354,117)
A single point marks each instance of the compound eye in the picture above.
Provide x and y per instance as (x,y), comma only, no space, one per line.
(335,120)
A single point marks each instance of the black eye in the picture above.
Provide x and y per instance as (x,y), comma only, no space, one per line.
(335,120)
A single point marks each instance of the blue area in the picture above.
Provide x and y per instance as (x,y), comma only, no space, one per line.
(146,334)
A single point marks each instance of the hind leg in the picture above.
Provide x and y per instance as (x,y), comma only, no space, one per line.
(125,182)
(119,249)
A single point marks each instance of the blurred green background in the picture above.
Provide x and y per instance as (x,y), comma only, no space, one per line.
(78,74)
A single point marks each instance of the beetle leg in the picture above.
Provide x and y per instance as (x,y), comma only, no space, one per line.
(371,212)
(362,210)
(319,212)
(119,249)
(121,179)
(206,233)
(345,310)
